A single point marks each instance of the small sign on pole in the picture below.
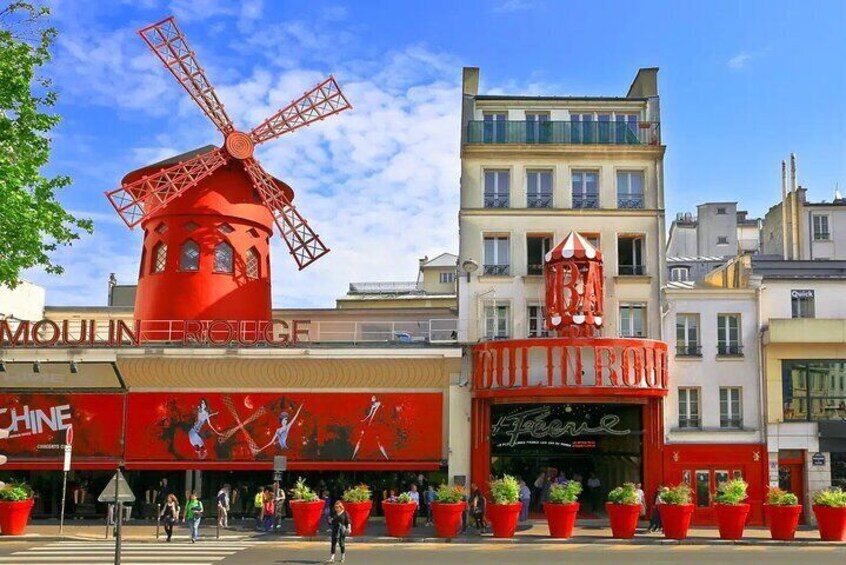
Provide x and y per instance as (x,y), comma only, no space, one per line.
(280,463)
(117,490)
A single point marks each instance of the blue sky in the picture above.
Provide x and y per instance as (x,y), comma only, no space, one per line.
(742,84)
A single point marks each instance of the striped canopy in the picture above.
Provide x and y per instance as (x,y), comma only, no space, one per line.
(574,245)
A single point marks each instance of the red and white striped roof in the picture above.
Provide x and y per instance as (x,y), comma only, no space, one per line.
(574,245)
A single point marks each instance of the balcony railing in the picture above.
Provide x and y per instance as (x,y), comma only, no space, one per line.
(689,423)
(632,270)
(629,202)
(539,201)
(497,270)
(822,236)
(688,350)
(585,202)
(534,269)
(730,350)
(496,201)
(563,133)
(731,423)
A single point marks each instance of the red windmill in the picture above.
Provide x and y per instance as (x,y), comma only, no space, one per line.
(574,279)
(208,214)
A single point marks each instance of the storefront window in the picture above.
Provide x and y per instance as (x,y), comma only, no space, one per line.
(838,469)
(814,389)
(703,488)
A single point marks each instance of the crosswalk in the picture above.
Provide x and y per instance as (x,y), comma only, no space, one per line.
(132,553)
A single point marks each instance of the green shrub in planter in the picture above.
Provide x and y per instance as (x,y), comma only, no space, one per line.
(449,495)
(303,492)
(358,493)
(679,494)
(731,493)
(15,492)
(505,490)
(835,497)
(626,494)
(403,498)
(567,493)
(778,497)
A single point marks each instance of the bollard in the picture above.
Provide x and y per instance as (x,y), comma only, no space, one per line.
(217,536)
(158,519)
(107,523)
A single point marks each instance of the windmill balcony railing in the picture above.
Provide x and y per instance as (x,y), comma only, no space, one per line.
(480,132)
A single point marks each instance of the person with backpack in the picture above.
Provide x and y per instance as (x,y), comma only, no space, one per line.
(223,507)
(193,515)
(170,514)
(339,522)
(269,510)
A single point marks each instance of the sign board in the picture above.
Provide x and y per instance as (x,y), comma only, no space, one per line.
(69,436)
(818,459)
(50,446)
(280,463)
(124,493)
(801,293)
(67,459)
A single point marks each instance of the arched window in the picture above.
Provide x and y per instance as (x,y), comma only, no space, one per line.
(253,263)
(189,257)
(159,257)
(224,258)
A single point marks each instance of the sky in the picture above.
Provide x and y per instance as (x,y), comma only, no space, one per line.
(742,84)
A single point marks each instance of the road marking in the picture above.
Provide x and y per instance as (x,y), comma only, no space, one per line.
(133,553)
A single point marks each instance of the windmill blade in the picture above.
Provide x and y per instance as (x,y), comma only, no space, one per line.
(168,43)
(138,199)
(318,103)
(305,245)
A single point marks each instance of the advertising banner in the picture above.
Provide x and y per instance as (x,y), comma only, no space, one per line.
(246,427)
(41,419)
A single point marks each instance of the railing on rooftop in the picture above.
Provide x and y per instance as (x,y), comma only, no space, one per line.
(387,287)
(563,133)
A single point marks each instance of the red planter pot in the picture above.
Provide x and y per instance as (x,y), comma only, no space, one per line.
(782,521)
(675,519)
(307,517)
(359,512)
(447,518)
(831,522)
(731,519)
(623,519)
(398,518)
(561,518)
(14,516)
(503,519)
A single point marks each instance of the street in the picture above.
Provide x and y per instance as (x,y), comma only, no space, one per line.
(305,553)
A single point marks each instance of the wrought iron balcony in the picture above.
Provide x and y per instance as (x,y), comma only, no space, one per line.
(632,270)
(683,350)
(689,423)
(629,202)
(539,201)
(730,350)
(497,270)
(534,269)
(496,201)
(563,133)
(731,423)
(585,202)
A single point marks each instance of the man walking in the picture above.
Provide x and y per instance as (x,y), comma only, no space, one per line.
(223,506)
(415,498)
(258,506)
(525,500)
(193,515)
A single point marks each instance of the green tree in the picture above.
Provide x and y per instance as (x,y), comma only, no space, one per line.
(33,223)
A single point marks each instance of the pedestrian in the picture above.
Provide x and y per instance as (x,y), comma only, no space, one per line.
(641,499)
(279,507)
(268,510)
(193,515)
(223,506)
(339,523)
(525,500)
(537,494)
(327,504)
(170,514)
(655,523)
(430,499)
(415,498)
(258,507)
(593,495)
(477,508)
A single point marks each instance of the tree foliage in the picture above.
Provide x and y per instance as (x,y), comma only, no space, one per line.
(33,223)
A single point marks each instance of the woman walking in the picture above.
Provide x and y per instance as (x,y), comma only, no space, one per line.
(477,508)
(170,514)
(193,515)
(339,521)
(655,523)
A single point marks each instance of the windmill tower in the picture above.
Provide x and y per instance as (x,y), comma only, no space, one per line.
(208,214)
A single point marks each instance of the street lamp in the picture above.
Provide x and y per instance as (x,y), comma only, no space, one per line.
(469,266)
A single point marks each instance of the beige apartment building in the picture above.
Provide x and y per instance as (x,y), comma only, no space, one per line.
(533,168)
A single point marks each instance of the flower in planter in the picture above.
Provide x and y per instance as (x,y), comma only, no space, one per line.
(15,492)
(449,495)
(403,498)
(567,493)
(626,494)
(778,497)
(679,494)
(358,493)
(302,492)
(835,497)
(731,492)
(505,490)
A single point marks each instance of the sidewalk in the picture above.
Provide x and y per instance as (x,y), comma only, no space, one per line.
(535,531)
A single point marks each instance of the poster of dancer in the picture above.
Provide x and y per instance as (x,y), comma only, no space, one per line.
(302,426)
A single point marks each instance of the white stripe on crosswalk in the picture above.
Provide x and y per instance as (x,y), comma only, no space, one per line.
(133,553)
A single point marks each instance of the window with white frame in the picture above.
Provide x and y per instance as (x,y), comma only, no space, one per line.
(731,415)
(820,222)
(497,320)
(538,189)
(494,127)
(497,189)
(537,246)
(536,321)
(585,186)
(689,408)
(497,255)
(680,274)
(447,277)
(594,239)
(802,303)
(630,189)
(632,320)
(728,335)
(630,260)
(687,335)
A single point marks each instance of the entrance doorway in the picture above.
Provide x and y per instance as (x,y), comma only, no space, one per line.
(791,477)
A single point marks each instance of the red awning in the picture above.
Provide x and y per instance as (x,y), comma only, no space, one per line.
(574,245)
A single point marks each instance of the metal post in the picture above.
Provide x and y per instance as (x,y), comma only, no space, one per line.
(64,495)
(107,521)
(217,533)
(158,519)
(118,520)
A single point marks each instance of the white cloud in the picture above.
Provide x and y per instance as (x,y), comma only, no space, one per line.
(739,61)
(508,6)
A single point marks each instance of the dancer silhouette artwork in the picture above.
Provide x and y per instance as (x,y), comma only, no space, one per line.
(195,436)
(368,429)
(281,435)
